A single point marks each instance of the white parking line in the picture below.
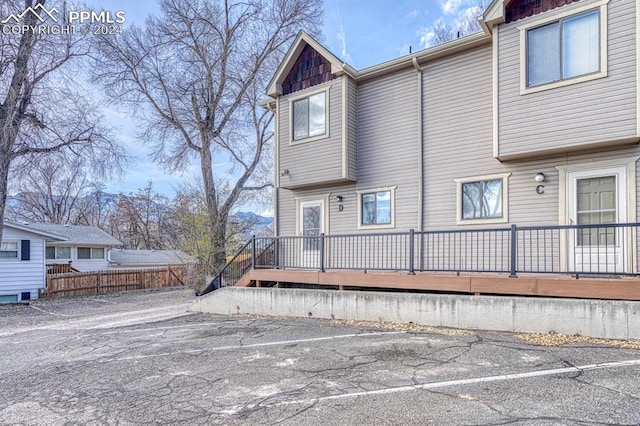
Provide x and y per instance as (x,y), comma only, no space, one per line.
(253,345)
(47,312)
(448,383)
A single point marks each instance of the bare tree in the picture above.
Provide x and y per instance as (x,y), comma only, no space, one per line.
(42,109)
(464,24)
(142,220)
(51,191)
(96,208)
(196,73)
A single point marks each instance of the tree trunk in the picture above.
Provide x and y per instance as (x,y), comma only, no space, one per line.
(217,223)
(5,161)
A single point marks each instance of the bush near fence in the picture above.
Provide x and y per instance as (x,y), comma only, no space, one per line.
(112,280)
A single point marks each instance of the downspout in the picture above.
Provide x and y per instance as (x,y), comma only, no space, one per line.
(419,228)
(276,163)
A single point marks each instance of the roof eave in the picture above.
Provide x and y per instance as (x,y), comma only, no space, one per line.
(274,89)
(426,55)
(26,228)
(493,14)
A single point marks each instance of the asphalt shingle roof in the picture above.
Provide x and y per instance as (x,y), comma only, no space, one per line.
(150,257)
(78,234)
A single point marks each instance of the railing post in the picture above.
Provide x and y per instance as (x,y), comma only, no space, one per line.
(276,254)
(411,252)
(322,252)
(253,252)
(514,251)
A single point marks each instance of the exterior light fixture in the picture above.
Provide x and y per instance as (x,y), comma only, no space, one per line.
(539,177)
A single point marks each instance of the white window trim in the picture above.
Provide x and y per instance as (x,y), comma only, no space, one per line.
(359,193)
(505,200)
(602,4)
(66,259)
(628,163)
(12,259)
(307,94)
(324,198)
(91,249)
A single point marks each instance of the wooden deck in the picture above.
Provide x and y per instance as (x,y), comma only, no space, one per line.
(525,285)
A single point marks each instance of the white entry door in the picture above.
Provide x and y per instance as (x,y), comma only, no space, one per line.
(311,226)
(598,197)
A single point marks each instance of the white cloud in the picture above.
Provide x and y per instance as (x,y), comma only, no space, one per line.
(426,36)
(450,7)
(342,38)
(414,14)
(265,213)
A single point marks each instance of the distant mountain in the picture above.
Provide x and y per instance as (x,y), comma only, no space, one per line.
(251,217)
(254,223)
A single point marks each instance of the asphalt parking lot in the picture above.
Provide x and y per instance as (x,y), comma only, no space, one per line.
(142,358)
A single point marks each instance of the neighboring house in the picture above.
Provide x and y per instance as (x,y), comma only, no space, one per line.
(22,263)
(535,121)
(149,258)
(85,248)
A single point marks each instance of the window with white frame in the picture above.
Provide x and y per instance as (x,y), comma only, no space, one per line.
(85,253)
(9,250)
(376,208)
(483,199)
(564,49)
(309,116)
(58,253)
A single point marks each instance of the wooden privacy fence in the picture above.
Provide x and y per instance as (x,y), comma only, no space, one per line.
(82,283)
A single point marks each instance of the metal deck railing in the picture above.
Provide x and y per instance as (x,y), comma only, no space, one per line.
(598,250)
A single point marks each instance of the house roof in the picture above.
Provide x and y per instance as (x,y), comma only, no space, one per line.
(494,14)
(77,234)
(415,59)
(49,236)
(150,257)
(303,39)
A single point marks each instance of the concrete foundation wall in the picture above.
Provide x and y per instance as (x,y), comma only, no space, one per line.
(594,318)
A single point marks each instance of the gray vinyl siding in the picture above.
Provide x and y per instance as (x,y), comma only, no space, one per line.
(18,276)
(599,110)
(457,120)
(388,131)
(317,161)
(339,222)
(457,125)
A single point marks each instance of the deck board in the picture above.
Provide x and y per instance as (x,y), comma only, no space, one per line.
(545,286)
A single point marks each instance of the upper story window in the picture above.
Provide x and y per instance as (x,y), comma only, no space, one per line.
(482,199)
(564,48)
(85,253)
(309,117)
(58,253)
(9,250)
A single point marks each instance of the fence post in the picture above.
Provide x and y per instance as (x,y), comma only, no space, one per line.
(276,254)
(253,252)
(514,251)
(322,252)
(411,252)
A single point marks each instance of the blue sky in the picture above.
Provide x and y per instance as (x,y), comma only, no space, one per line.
(361,32)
